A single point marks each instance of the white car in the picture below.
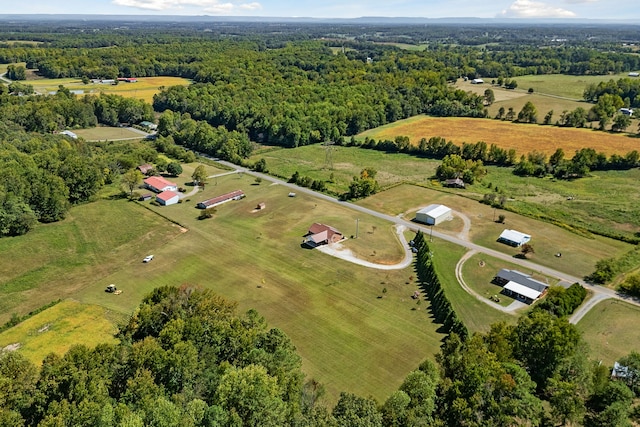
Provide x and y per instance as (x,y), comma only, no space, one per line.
(147,258)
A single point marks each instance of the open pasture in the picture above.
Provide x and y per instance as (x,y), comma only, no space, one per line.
(106,133)
(609,330)
(58,328)
(347,162)
(579,254)
(524,138)
(351,335)
(143,89)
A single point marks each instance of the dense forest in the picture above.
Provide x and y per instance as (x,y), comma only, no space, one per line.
(188,358)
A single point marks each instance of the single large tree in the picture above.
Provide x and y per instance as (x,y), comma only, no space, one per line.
(199,175)
(131,180)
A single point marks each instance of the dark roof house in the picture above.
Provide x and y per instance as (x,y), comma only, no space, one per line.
(520,285)
(454,182)
(145,168)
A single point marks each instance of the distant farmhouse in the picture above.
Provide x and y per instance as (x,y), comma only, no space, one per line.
(158,184)
(168,198)
(634,74)
(513,238)
(234,195)
(477,81)
(434,214)
(520,285)
(321,234)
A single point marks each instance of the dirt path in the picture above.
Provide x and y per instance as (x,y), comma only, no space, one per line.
(464,234)
(338,251)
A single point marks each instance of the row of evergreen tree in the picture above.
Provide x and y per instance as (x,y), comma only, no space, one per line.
(441,307)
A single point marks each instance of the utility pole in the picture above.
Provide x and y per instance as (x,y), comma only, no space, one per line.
(357,220)
(431,233)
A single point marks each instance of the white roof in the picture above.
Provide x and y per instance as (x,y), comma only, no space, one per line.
(522,290)
(515,236)
(435,211)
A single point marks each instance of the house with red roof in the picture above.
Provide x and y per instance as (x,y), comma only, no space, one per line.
(321,234)
(168,198)
(158,184)
(209,203)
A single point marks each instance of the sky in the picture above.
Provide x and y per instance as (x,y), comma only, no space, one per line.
(566,9)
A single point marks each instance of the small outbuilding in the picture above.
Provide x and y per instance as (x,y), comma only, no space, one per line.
(513,238)
(70,134)
(261,206)
(158,184)
(234,195)
(321,234)
(434,214)
(626,111)
(633,74)
(477,81)
(145,197)
(145,169)
(454,183)
(168,198)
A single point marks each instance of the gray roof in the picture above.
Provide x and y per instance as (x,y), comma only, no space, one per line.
(522,279)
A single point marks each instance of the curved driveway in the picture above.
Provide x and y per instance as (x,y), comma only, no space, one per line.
(598,291)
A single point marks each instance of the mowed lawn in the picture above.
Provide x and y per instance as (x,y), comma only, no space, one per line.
(58,328)
(524,138)
(143,89)
(56,261)
(106,133)
(610,329)
(352,335)
(579,254)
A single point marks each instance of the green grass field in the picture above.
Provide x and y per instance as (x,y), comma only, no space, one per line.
(105,133)
(349,338)
(476,315)
(579,254)
(347,162)
(479,270)
(58,328)
(609,329)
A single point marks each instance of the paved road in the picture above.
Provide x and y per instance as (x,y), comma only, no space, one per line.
(598,291)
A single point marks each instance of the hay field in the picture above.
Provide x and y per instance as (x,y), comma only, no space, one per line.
(60,327)
(143,89)
(524,138)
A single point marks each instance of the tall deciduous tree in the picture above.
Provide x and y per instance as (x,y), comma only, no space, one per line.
(131,180)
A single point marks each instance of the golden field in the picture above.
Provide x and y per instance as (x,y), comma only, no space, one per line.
(524,138)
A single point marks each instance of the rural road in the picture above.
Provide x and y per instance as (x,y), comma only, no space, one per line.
(598,291)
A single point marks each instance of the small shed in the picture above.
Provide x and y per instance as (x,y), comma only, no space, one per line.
(513,238)
(168,198)
(434,214)
(454,183)
(261,206)
(145,169)
(145,197)
(626,111)
(633,74)
(477,81)
(69,134)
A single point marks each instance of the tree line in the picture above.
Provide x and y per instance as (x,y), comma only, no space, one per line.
(188,357)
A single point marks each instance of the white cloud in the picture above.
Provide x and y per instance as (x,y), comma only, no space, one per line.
(210,6)
(535,9)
